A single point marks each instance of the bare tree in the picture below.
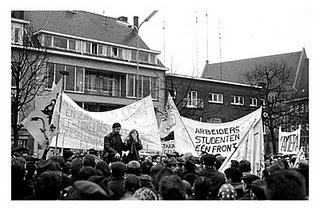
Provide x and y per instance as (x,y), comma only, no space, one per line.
(29,78)
(276,79)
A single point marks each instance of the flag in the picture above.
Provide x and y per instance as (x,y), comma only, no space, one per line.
(250,147)
(41,122)
(300,157)
(172,121)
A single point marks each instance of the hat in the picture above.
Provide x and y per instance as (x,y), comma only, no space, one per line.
(227,192)
(249,178)
(145,194)
(209,160)
(145,177)
(86,190)
(172,161)
(115,125)
(133,164)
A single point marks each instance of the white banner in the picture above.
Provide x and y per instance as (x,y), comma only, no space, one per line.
(289,142)
(82,129)
(196,137)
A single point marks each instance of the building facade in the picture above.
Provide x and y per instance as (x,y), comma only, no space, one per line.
(99,55)
(212,101)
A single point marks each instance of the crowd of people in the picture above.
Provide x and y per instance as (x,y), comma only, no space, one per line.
(94,175)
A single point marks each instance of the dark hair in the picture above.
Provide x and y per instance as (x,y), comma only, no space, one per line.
(235,163)
(172,188)
(118,169)
(103,167)
(115,125)
(163,172)
(76,164)
(190,177)
(146,167)
(234,174)
(132,183)
(89,160)
(244,166)
(201,188)
(48,185)
(285,185)
(88,171)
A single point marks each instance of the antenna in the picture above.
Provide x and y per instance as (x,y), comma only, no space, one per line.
(164,43)
(207,60)
(220,49)
(196,45)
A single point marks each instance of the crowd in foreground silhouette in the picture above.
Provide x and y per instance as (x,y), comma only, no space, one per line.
(88,176)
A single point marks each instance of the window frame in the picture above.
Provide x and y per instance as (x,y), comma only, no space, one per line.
(236,100)
(252,100)
(211,100)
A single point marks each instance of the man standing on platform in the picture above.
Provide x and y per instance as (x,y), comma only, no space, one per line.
(113,144)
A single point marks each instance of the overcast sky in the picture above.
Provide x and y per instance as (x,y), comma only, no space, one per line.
(248,28)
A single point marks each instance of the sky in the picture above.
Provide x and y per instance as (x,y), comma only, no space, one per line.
(187,32)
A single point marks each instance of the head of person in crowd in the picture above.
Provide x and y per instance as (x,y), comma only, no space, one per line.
(88,171)
(146,167)
(189,166)
(93,152)
(247,181)
(286,184)
(190,177)
(76,164)
(66,169)
(44,165)
(30,168)
(163,172)
(58,160)
(275,166)
(157,159)
(134,167)
(132,183)
(201,188)
(18,168)
(146,181)
(219,160)
(227,192)
(118,169)
(209,161)
(188,189)
(257,189)
(284,162)
(86,190)
(233,175)
(292,161)
(234,164)
(154,173)
(104,168)
(48,186)
(245,167)
(89,160)
(68,155)
(172,188)
(173,164)
(102,182)
(145,193)
(116,127)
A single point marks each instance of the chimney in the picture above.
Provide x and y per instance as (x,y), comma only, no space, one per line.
(136,21)
(123,19)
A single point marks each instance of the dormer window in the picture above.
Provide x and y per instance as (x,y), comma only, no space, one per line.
(60,42)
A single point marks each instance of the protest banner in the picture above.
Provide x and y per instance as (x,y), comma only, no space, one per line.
(250,147)
(196,137)
(289,142)
(168,144)
(82,129)
(41,122)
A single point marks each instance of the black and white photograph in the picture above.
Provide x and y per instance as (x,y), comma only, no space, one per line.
(203,101)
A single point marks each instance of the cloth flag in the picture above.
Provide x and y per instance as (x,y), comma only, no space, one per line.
(289,142)
(41,122)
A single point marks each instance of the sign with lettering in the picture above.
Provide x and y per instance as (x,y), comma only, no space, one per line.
(289,142)
(82,129)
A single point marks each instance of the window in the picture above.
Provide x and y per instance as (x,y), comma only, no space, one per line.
(50,75)
(131,85)
(94,48)
(214,120)
(17,35)
(70,79)
(106,84)
(114,52)
(253,102)
(60,42)
(88,47)
(79,78)
(215,98)
(134,55)
(237,100)
(59,67)
(72,45)
(143,56)
(91,81)
(146,86)
(48,41)
(155,88)
(192,99)
(153,59)
(99,49)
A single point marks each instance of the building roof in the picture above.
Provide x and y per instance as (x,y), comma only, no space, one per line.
(233,71)
(211,80)
(83,24)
